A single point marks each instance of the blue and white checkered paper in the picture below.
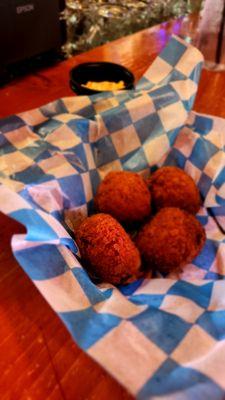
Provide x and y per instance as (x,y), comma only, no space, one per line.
(161,338)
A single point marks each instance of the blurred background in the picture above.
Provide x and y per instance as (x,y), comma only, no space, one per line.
(46,31)
(91,23)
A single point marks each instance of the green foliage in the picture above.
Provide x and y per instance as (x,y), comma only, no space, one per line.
(91,23)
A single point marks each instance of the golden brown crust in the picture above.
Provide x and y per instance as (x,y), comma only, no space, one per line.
(125,196)
(170,240)
(107,249)
(172,187)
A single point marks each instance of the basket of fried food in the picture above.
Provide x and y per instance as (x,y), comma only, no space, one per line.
(141,226)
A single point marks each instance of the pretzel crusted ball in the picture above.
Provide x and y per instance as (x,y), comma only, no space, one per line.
(170,240)
(125,196)
(172,187)
(107,250)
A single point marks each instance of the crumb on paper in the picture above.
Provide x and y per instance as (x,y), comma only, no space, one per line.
(73,218)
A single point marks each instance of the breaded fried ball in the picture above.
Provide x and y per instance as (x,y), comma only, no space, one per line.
(107,250)
(170,240)
(172,187)
(125,196)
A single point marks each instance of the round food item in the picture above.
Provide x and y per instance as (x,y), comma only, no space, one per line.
(125,196)
(170,240)
(172,187)
(107,250)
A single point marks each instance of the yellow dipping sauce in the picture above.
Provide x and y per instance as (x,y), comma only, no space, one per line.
(104,86)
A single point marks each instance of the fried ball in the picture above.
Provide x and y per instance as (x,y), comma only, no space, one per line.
(125,196)
(107,250)
(170,240)
(172,187)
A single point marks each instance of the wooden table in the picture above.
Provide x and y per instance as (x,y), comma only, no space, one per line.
(38,359)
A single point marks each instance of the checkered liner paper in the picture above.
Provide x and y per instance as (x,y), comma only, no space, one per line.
(160,338)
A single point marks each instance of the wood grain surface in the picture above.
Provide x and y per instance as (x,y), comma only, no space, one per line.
(38,359)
